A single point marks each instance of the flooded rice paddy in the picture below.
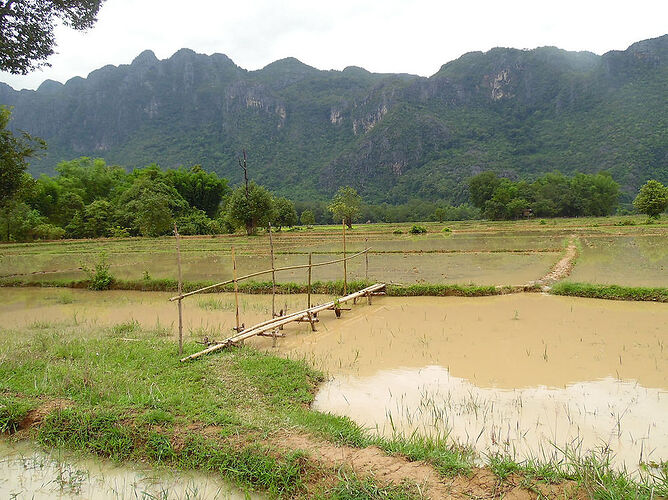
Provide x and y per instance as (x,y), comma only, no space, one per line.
(623,260)
(527,374)
(483,254)
(483,268)
(26,472)
(531,375)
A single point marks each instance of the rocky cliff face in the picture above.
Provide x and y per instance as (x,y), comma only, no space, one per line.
(394,137)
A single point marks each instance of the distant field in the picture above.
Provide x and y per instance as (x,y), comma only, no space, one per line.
(612,251)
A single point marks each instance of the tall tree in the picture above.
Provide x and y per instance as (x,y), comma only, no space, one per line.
(652,199)
(346,205)
(284,213)
(14,153)
(250,210)
(26,29)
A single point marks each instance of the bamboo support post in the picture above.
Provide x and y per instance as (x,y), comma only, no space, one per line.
(180,287)
(308,288)
(366,260)
(236,288)
(345,266)
(311,320)
(273,275)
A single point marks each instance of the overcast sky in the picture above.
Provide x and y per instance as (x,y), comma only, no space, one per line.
(380,35)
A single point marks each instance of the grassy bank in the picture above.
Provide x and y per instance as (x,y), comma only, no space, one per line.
(612,292)
(265,287)
(120,392)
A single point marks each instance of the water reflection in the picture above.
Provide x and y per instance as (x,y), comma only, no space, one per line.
(26,472)
(541,422)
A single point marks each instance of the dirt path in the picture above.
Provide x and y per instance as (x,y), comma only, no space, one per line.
(561,269)
(482,483)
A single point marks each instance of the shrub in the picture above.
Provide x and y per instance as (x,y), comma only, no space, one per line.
(397,231)
(446,230)
(418,229)
(119,232)
(48,232)
(99,277)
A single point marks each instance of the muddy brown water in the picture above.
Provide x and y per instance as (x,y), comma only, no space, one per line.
(27,472)
(522,373)
(526,374)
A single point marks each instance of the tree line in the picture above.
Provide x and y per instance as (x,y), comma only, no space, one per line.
(88,199)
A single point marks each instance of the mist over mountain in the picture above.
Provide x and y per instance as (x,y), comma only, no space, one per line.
(394,137)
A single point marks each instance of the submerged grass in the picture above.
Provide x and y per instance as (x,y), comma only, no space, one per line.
(613,292)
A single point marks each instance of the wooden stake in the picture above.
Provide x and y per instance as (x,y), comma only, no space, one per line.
(236,287)
(273,276)
(345,266)
(308,289)
(180,287)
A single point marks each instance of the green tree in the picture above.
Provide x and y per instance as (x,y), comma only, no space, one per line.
(307,218)
(652,199)
(252,212)
(597,193)
(18,221)
(148,206)
(93,179)
(27,28)
(346,205)
(284,213)
(481,188)
(98,219)
(14,153)
(195,222)
(201,189)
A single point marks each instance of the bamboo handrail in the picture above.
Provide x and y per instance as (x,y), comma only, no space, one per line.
(267,271)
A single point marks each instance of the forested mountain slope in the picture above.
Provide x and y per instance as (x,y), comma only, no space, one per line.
(394,137)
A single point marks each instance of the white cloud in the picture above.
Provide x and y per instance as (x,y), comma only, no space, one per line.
(386,36)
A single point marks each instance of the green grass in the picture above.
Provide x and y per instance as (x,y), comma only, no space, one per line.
(265,287)
(12,412)
(351,487)
(613,292)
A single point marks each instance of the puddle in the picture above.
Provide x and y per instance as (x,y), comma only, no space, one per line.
(29,473)
(520,373)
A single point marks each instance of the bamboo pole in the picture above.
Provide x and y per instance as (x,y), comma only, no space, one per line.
(308,289)
(266,271)
(180,287)
(366,265)
(345,266)
(236,288)
(273,275)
